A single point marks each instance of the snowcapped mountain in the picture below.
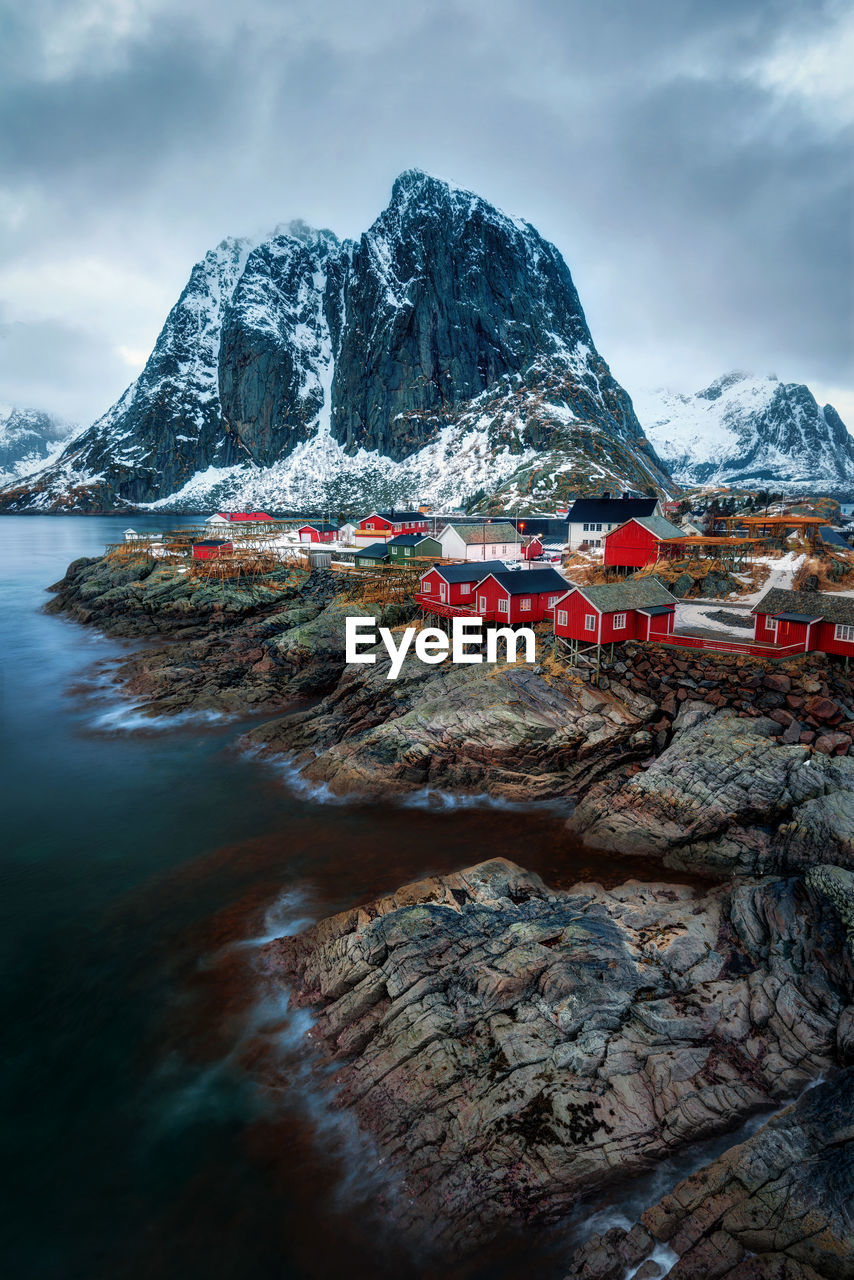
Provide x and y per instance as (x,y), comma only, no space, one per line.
(443,355)
(27,438)
(755,432)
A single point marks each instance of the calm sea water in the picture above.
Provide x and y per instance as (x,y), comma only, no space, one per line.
(138,866)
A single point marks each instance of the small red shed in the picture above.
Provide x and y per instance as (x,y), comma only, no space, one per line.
(211,548)
(318,531)
(532,549)
(246,517)
(520,595)
(637,542)
(810,620)
(616,611)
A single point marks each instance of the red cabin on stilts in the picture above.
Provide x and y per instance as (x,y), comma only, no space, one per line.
(617,611)
(638,541)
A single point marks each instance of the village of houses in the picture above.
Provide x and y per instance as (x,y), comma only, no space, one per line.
(771,585)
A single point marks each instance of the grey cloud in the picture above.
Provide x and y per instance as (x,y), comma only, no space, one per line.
(704,216)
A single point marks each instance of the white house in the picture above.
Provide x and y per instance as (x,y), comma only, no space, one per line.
(590,519)
(347,534)
(496,541)
(217,522)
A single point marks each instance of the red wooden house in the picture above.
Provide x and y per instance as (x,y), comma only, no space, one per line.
(246,517)
(519,596)
(382,525)
(810,620)
(212,548)
(317,531)
(454,584)
(616,611)
(638,541)
(532,548)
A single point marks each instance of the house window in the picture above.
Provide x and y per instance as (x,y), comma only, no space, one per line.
(552,602)
(561,617)
(504,548)
(369,525)
(397,528)
(591,527)
(465,588)
(407,551)
(619,621)
(771,625)
(525,604)
(843,632)
(502,606)
(590,622)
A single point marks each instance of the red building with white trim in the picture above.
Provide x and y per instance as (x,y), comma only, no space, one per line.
(615,611)
(812,620)
(212,548)
(379,526)
(638,542)
(519,597)
(454,584)
(317,531)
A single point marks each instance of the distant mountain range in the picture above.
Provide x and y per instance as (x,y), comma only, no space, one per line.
(442,357)
(758,433)
(27,438)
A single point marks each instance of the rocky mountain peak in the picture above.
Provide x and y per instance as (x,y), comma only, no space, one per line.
(446,318)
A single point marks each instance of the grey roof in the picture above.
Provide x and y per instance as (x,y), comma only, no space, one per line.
(832,538)
(659,527)
(322,526)
(500,531)
(400,517)
(530,582)
(376,551)
(639,593)
(472,571)
(817,604)
(613,510)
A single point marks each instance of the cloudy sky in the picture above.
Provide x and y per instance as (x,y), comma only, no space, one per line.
(691,159)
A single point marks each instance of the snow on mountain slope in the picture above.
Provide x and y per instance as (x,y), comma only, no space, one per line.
(29,438)
(444,351)
(750,431)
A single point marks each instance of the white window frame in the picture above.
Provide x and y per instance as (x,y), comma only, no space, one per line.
(562,617)
(525,604)
(842,631)
(619,622)
(503,605)
(590,622)
(369,525)
(481,603)
(771,625)
(465,588)
(407,551)
(552,602)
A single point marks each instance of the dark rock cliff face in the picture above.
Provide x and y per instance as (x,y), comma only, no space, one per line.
(275,348)
(380,344)
(443,297)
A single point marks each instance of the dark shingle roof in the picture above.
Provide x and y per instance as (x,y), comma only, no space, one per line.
(474,571)
(612,510)
(817,604)
(400,517)
(659,527)
(530,582)
(408,539)
(376,551)
(615,597)
(541,527)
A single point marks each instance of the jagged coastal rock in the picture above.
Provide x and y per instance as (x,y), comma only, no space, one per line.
(511,1048)
(779,1206)
(756,432)
(443,353)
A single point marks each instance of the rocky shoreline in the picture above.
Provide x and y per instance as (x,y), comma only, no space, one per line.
(516,1050)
